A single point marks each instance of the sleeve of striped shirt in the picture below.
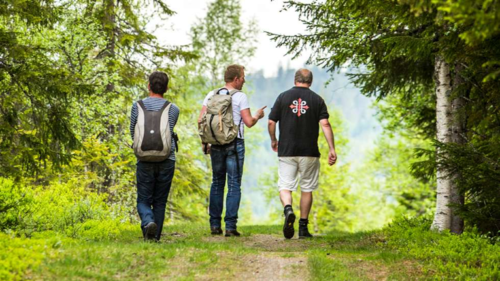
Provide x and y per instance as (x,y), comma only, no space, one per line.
(175,111)
(133,119)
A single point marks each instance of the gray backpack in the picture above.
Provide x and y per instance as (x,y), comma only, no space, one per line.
(217,124)
(152,136)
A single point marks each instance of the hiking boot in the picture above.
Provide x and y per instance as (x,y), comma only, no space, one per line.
(216,230)
(288,230)
(150,231)
(232,233)
(303,231)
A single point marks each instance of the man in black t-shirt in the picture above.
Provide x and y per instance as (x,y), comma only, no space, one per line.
(299,112)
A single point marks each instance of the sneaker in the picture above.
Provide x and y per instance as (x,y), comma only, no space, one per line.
(303,231)
(150,231)
(232,233)
(288,230)
(216,230)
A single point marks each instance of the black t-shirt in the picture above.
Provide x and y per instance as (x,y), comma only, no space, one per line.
(298,112)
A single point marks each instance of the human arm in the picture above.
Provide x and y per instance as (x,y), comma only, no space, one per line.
(202,112)
(204,146)
(274,117)
(271,126)
(250,120)
(133,120)
(327,130)
(175,115)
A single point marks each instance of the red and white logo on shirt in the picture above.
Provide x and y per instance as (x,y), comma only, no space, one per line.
(299,107)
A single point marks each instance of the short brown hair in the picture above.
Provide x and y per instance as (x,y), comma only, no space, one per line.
(233,71)
(304,76)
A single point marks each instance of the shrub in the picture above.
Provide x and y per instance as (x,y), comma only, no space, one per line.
(102,229)
(15,200)
(19,255)
(466,256)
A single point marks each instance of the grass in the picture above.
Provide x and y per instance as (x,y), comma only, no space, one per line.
(182,253)
(189,252)
(361,256)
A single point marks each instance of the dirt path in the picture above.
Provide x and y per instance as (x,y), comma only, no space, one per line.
(278,258)
(272,266)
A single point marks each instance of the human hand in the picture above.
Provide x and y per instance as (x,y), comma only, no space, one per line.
(332,157)
(274,145)
(206,148)
(260,113)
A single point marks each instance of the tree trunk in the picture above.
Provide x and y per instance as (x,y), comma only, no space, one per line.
(442,217)
(109,28)
(457,136)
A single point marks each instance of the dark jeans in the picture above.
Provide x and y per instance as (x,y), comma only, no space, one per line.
(224,163)
(153,185)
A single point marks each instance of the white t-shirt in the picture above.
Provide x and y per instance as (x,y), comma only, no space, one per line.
(240,102)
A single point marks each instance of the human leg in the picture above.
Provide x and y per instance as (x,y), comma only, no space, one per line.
(145,187)
(234,164)
(164,176)
(286,197)
(309,175)
(218,157)
(287,170)
(306,200)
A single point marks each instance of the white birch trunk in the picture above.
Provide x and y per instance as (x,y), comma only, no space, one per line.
(458,130)
(442,217)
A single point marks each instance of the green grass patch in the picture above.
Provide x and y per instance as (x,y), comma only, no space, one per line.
(446,255)
(359,256)
(405,250)
(185,252)
(19,256)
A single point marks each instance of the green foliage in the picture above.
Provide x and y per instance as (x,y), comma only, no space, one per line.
(479,177)
(334,202)
(67,208)
(99,229)
(221,39)
(66,64)
(393,46)
(20,255)
(14,202)
(468,256)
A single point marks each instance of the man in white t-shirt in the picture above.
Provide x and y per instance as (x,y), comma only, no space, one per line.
(227,160)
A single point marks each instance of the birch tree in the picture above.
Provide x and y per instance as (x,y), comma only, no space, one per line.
(443,215)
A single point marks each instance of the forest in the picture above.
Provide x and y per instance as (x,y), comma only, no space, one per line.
(413,92)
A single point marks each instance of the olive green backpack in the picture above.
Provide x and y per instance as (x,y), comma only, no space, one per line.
(217,124)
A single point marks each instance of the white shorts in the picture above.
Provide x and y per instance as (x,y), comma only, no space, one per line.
(290,168)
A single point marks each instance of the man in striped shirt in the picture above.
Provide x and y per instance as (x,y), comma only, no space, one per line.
(154,178)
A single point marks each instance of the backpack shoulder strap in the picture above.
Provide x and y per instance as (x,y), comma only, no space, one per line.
(234,91)
(141,104)
(165,105)
(217,91)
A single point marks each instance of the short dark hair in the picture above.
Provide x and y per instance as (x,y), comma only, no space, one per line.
(233,71)
(304,76)
(158,82)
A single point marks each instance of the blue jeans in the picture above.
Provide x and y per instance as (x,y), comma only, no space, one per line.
(153,185)
(224,163)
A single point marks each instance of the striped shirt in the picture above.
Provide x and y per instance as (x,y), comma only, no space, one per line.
(155,104)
